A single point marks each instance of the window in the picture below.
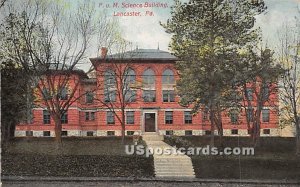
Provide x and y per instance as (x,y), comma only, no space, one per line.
(265,92)
(46,133)
(205,115)
(130,133)
(130,96)
(64,133)
(168,96)
(109,78)
(92,116)
(129,76)
(46,94)
(249,92)
(89,133)
(188,133)
(265,115)
(266,131)
(46,117)
(169,117)
(149,95)
(63,95)
(110,96)
(169,132)
(250,112)
(207,132)
(29,133)
(89,116)
(234,117)
(234,131)
(130,117)
(110,133)
(187,117)
(110,117)
(168,77)
(149,77)
(64,118)
(89,97)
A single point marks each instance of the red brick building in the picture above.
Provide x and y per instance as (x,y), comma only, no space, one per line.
(152,106)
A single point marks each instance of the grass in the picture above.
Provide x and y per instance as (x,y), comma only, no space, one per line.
(70,146)
(105,157)
(274,159)
(86,157)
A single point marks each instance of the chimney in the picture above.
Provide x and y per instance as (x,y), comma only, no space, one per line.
(103,52)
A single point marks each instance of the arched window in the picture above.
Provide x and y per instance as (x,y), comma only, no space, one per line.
(109,77)
(168,77)
(129,76)
(148,77)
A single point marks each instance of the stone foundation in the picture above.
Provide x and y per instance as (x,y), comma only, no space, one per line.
(179,132)
(273,132)
(241,132)
(104,133)
(74,132)
(20,133)
(77,133)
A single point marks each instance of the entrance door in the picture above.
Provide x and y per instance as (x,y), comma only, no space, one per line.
(149,122)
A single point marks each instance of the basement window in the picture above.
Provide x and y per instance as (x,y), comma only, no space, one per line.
(130,133)
(169,133)
(234,131)
(46,133)
(29,133)
(266,131)
(89,133)
(188,133)
(110,133)
(64,133)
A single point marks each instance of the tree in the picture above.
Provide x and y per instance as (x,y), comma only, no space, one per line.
(16,99)
(288,56)
(2,3)
(48,39)
(258,81)
(207,37)
(119,86)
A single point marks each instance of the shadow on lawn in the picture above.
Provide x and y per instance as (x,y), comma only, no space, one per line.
(86,157)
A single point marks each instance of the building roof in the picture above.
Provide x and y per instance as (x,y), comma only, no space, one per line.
(62,68)
(142,54)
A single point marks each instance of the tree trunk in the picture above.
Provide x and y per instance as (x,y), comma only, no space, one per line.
(123,133)
(256,128)
(256,133)
(123,126)
(297,135)
(58,129)
(212,130)
(298,144)
(220,127)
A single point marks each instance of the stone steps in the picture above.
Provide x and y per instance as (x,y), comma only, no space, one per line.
(153,137)
(169,165)
(174,170)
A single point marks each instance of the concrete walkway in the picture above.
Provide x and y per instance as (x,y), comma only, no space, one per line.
(168,164)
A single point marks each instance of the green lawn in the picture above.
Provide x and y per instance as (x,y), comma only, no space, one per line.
(274,159)
(90,157)
(105,157)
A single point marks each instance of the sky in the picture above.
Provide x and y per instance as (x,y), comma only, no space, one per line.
(146,32)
